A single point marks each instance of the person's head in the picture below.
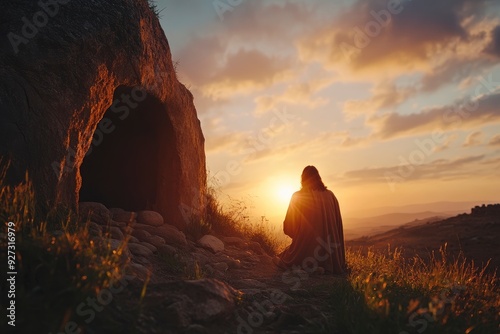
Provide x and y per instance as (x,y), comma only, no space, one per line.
(311,180)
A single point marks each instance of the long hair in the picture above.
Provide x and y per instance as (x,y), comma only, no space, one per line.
(311,180)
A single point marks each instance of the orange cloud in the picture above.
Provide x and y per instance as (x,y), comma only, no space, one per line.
(483,110)
(385,95)
(393,37)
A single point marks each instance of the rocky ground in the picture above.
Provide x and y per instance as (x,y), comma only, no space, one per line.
(216,284)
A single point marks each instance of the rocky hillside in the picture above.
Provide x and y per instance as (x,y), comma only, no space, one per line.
(475,235)
(215,284)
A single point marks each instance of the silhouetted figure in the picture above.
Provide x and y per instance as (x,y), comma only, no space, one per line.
(314,223)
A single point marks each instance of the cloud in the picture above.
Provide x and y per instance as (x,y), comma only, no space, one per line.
(461,115)
(473,139)
(493,48)
(450,139)
(300,93)
(206,64)
(435,170)
(384,95)
(226,142)
(495,140)
(372,37)
(245,71)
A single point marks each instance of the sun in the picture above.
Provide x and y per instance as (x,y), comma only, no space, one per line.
(284,192)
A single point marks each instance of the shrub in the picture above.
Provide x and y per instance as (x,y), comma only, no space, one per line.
(58,265)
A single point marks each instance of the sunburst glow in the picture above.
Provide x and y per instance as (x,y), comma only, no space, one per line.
(284,191)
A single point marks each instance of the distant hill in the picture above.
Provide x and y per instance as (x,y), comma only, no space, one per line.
(476,235)
(358,227)
(443,207)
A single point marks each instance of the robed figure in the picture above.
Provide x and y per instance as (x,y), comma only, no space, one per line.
(314,223)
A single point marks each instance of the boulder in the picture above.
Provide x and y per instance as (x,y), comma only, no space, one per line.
(200,301)
(139,250)
(170,234)
(155,240)
(141,234)
(234,241)
(220,266)
(234,263)
(141,260)
(256,248)
(116,233)
(151,247)
(139,271)
(93,110)
(121,215)
(211,243)
(167,250)
(151,218)
(94,211)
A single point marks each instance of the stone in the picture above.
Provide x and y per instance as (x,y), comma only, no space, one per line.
(177,315)
(212,243)
(121,215)
(139,250)
(94,229)
(141,260)
(252,258)
(95,232)
(94,211)
(234,241)
(320,271)
(200,258)
(116,233)
(234,263)
(117,224)
(198,301)
(133,240)
(251,292)
(196,329)
(155,240)
(256,248)
(95,226)
(171,235)
(57,124)
(167,250)
(139,271)
(151,218)
(220,266)
(251,283)
(141,234)
(151,247)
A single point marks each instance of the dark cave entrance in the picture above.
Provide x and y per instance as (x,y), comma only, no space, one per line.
(131,142)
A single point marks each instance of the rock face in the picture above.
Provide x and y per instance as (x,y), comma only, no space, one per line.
(91,107)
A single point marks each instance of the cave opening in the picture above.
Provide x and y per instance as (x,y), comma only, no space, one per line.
(133,140)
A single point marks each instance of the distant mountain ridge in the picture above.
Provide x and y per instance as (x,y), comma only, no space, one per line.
(450,208)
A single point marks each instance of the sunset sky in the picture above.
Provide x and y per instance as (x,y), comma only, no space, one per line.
(395,102)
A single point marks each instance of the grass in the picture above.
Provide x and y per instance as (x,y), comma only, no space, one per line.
(58,263)
(153,6)
(386,293)
(232,222)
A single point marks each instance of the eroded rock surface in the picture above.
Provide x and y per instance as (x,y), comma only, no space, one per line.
(91,107)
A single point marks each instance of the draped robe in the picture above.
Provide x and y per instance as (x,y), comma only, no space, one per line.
(314,223)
